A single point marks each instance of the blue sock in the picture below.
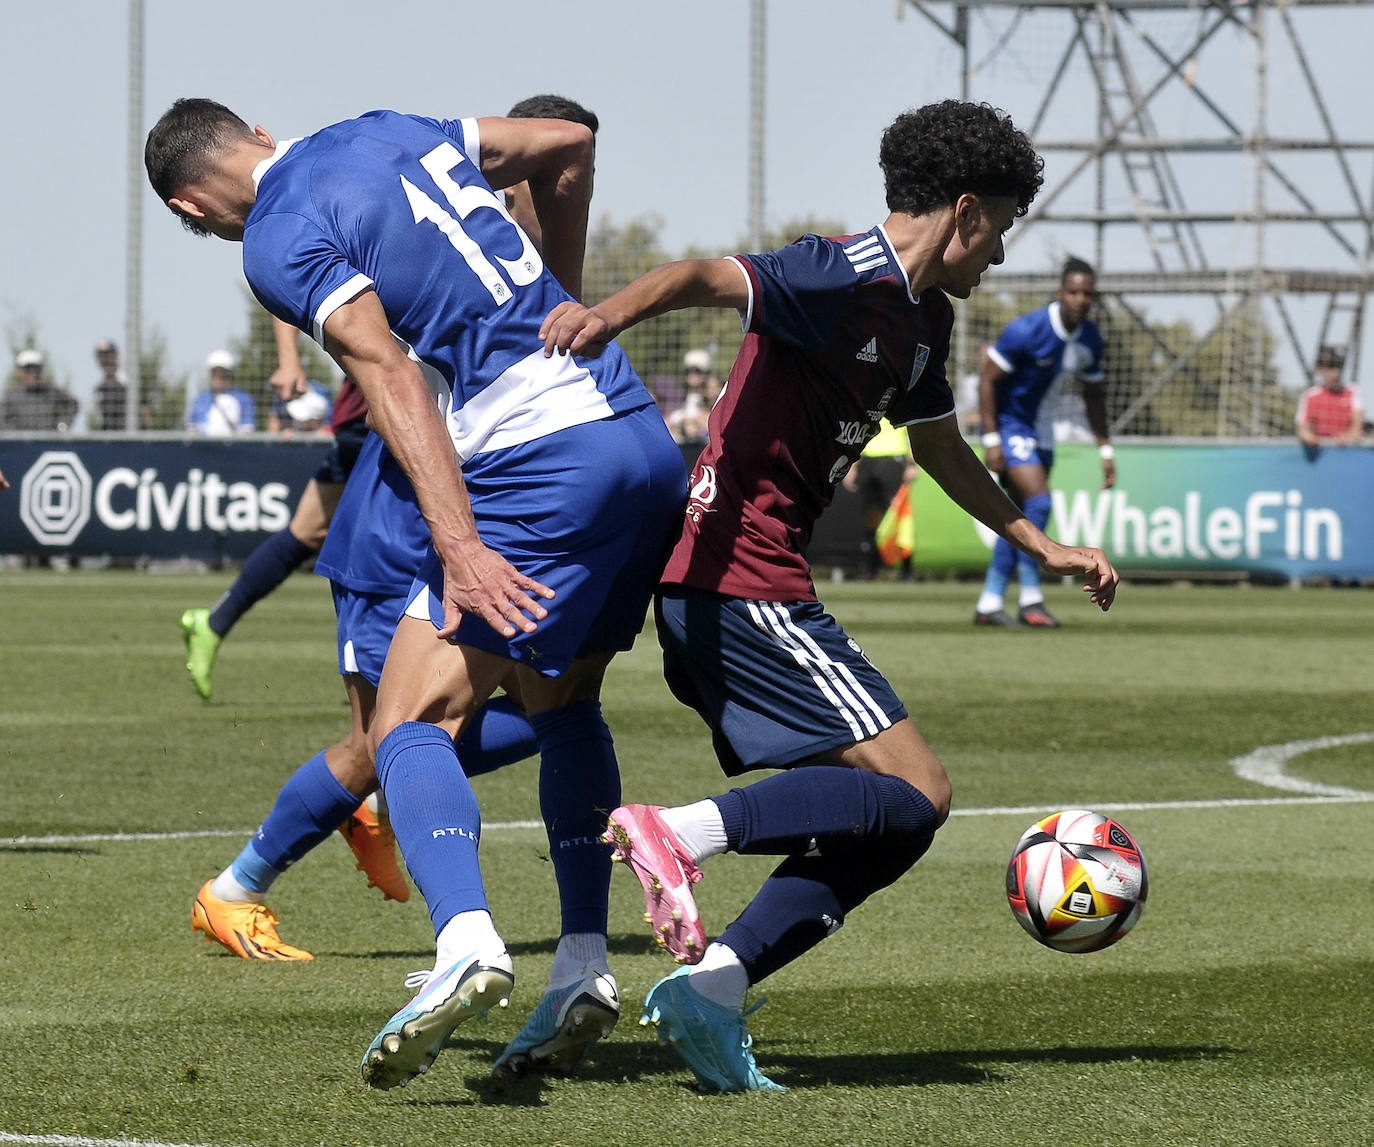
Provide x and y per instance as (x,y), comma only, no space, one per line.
(263,570)
(1000,567)
(310,806)
(435,818)
(1037,509)
(808,897)
(498,734)
(579,785)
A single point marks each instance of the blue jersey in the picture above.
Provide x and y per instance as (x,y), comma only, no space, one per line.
(1040,356)
(397,204)
(377,537)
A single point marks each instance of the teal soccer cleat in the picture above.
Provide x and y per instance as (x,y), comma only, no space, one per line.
(567,1021)
(712,1040)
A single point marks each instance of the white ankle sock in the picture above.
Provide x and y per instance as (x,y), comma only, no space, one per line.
(227,888)
(1031,597)
(575,953)
(467,932)
(988,602)
(720,977)
(699,827)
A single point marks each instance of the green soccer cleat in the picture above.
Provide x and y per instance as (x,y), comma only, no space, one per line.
(202,643)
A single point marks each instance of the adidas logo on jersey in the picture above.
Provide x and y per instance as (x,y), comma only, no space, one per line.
(869,353)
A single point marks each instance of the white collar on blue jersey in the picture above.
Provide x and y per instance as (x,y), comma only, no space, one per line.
(282,147)
(1057,324)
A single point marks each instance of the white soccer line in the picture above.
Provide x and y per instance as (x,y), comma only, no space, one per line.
(1264,766)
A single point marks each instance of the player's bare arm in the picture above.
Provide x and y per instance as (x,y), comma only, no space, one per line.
(941,451)
(573,328)
(476,579)
(554,159)
(1095,406)
(989,376)
(288,380)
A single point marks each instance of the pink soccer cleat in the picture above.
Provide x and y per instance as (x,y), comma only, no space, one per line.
(644,842)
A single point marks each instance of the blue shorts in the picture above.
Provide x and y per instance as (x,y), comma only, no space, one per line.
(338,463)
(778,682)
(1021,445)
(591,512)
(367,622)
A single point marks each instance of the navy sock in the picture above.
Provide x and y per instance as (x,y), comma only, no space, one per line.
(263,570)
(310,806)
(435,818)
(807,897)
(579,785)
(498,734)
(824,808)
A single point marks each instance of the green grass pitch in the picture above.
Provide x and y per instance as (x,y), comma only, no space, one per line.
(1239,1011)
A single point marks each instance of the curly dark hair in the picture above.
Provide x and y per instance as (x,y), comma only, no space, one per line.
(549,106)
(183,144)
(933,154)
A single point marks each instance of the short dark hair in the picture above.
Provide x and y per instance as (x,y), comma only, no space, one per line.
(934,154)
(1075,266)
(549,106)
(184,143)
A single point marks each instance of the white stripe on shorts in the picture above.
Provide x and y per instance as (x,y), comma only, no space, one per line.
(836,683)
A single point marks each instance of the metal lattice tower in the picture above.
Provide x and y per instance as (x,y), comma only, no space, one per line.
(1212,213)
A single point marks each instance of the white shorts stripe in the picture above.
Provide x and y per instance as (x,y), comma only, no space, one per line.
(833,680)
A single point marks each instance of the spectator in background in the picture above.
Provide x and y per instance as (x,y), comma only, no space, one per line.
(223,410)
(36,404)
(1330,412)
(304,413)
(687,418)
(112,391)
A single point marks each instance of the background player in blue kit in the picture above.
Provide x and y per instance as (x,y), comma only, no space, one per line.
(550,487)
(839,333)
(1025,371)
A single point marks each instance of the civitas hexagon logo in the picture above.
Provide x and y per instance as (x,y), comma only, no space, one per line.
(55,498)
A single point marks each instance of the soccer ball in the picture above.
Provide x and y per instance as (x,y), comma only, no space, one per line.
(1077,881)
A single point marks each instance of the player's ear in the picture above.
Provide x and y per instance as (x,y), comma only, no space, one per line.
(186,207)
(264,137)
(968,210)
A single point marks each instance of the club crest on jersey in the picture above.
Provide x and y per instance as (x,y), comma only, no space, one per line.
(702,494)
(919,365)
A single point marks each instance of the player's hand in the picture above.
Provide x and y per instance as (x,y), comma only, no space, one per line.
(1108,473)
(994,459)
(287,382)
(1100,577)
(480,581)
(4,484)
(571,328)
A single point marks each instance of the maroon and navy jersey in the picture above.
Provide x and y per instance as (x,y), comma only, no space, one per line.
(834,342)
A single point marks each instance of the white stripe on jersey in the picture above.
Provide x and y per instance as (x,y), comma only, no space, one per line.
(529,399)
(833,679)
(866,254)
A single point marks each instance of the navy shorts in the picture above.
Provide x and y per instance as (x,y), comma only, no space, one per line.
(591,512)
(338,463)
(367,622)
(778,682)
